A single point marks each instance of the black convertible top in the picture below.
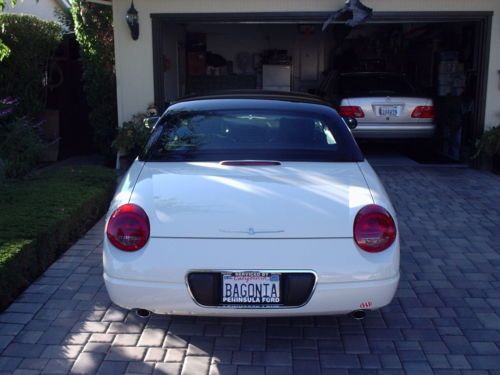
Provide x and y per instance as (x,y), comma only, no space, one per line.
(257,94)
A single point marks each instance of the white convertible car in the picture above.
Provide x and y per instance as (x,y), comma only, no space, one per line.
(251,204)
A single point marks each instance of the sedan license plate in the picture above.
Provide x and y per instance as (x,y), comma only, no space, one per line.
(387,110)
(251,288)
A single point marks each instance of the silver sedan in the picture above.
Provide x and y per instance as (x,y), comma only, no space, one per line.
(385,105)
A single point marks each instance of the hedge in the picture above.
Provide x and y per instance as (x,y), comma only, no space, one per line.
(94,31)
(23,73)
(42,215)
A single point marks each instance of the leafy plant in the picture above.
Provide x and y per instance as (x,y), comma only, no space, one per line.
(133,135)
(23,73)
(94,31)
(489,144)
(2,171)
(21,147)
(4,49)
(7,106)
(65,18)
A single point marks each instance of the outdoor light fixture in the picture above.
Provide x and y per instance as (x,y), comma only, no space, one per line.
(133,21)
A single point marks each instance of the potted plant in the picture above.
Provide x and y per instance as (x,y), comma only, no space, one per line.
(132,137)
(489,149)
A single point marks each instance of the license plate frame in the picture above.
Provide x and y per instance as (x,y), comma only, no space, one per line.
(251,288)
(388,110)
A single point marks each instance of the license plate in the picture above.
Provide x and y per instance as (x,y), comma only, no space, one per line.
(251,288)
(388,110)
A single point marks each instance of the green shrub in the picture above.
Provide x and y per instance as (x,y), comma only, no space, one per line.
(133,135)
(42,215)
(2,171)
(489,144)
(23,73)
(21,147)
(94,31)
(488,149)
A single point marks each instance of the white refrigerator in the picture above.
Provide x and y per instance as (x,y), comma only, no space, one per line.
(277,77)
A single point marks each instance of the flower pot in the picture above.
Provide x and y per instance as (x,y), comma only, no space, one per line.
(51,152)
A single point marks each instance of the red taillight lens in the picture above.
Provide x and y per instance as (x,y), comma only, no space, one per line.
(351,111)
(128,228)
(374,229)
(423,111)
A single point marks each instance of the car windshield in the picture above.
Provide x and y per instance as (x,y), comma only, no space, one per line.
(250,135)
(375,85)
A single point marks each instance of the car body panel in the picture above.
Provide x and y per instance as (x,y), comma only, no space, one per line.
(327,298)
(292,200)
(126,186)
(377,189)
(168,260)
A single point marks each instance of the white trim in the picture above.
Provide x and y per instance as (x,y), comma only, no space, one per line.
(65,4)
(102,2)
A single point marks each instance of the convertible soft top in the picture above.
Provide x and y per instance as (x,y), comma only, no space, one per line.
(257,94)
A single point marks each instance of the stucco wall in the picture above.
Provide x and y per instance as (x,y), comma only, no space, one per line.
(43,8)
(134,59)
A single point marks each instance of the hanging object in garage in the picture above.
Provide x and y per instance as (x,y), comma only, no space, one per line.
(354,13)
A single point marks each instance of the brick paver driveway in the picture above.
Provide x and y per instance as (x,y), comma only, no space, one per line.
(445,319)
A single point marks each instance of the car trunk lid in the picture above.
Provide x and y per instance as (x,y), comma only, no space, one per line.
(282,200)
(387,109)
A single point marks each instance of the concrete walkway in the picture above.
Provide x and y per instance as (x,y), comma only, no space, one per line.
(445,319)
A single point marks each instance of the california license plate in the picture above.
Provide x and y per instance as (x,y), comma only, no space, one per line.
(251,288)
(387,110)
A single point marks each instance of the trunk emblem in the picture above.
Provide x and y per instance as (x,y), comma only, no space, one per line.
(251,231)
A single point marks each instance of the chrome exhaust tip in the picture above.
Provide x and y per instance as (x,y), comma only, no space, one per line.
(143,313)
(358,314)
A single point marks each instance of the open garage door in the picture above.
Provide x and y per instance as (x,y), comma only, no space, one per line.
(443,56)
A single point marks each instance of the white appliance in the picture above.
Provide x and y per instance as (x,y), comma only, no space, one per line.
(277,77)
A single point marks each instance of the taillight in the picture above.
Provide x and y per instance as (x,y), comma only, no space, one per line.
(351,111)
(128,228)
(374,229)
(423,111)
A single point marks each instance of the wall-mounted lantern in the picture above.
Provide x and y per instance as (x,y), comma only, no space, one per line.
(133,21)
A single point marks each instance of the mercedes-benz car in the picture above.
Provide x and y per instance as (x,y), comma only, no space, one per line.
(251,204)
(385,105)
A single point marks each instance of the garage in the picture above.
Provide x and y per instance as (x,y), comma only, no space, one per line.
(443,55)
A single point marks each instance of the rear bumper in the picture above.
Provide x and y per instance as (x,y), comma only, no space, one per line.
(327,298)
(394,131)
(347,279)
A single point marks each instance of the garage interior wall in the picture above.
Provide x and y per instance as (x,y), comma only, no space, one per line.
(134,59)
(225,43)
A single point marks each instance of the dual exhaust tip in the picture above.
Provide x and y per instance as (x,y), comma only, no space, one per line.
(143,313)
(356,314)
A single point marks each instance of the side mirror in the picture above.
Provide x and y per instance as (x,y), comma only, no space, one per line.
(351,122)
(151,121)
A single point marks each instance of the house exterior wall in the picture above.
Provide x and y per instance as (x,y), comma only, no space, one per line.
(43,8)
(134,59)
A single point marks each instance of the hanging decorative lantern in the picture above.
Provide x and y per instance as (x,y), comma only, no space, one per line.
(133,21)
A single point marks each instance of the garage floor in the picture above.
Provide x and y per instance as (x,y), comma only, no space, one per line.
(445,319)
(383,154)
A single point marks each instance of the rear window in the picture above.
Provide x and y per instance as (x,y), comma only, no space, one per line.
(250,134)
(375,85)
